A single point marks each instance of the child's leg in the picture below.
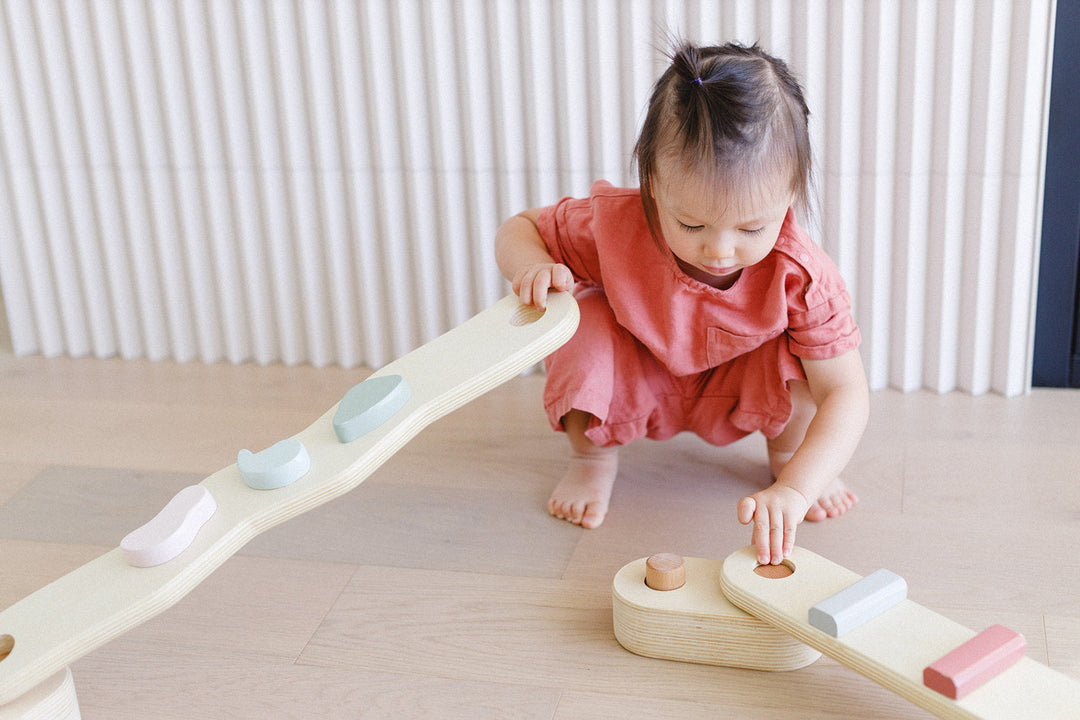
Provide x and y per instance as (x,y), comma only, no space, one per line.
(582,496)
(837,497)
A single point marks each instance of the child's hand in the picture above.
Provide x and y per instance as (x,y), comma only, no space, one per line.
(532,282)
(775,512)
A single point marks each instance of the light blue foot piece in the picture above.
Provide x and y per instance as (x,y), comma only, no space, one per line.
(858,603)
(275,467)
(368,405)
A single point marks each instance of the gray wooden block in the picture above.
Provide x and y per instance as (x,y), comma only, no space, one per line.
(857,603)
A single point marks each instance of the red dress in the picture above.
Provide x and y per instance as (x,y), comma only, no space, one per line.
(658,352)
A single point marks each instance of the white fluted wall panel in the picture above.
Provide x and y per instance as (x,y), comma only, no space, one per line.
(320,180)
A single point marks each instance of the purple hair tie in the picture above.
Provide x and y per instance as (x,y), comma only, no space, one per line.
(697,80)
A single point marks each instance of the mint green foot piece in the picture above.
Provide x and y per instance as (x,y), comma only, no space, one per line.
(281,464)
(368,405)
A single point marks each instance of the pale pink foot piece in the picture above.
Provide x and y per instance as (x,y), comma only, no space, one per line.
(834,502)
(583,495)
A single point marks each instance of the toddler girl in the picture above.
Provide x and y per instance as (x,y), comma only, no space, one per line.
(704,306)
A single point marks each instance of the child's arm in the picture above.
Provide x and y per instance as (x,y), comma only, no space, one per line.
(524,260)
(839,388)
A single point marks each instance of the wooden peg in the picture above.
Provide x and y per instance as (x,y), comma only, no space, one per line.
(665,571)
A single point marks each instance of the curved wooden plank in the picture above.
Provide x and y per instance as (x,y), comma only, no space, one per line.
(106,597)
(895,647)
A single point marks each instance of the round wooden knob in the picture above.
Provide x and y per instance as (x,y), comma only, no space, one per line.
(665,571)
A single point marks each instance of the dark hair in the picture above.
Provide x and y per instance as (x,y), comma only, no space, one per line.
(731,112)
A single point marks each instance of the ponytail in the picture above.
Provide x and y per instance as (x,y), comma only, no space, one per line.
(731,111)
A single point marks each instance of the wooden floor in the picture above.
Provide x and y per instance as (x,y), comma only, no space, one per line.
(440,588)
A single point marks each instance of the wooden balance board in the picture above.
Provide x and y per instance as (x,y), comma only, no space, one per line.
(729,612)
(894,643)
(206,524)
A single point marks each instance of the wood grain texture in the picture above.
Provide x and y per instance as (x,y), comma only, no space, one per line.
(893,648)
(696,623)
(106,597)
(52,699)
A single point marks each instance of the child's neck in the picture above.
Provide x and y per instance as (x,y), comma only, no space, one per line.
(720,283)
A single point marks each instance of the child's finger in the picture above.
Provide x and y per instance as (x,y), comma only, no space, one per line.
(776,538)
(790,525)
(523,287)
(789,545)
(745,510)
(562,278)
(762,533)
(540,286)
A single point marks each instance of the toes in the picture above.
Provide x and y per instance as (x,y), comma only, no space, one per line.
(576,512)
(830,508)
(843,502)
(832,505)
(573,512)
(588,515)
(561,510)
(593,515)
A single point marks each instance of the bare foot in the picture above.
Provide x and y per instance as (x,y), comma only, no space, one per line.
(582,496)
(836,500)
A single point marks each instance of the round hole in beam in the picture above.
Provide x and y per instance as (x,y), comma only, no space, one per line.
(776,572)
(526,315)
(7,644)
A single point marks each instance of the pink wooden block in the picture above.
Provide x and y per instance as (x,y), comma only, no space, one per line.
(978,660)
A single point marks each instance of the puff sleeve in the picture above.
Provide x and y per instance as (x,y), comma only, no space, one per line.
(820,321)
(569,229)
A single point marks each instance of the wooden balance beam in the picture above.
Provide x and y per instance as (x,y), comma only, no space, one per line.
(205,524)
(867,624)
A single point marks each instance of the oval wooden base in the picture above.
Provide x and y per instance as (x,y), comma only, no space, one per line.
(53,699)
(696,623)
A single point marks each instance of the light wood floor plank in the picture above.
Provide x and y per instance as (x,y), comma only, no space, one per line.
(205,687)
(441,588)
